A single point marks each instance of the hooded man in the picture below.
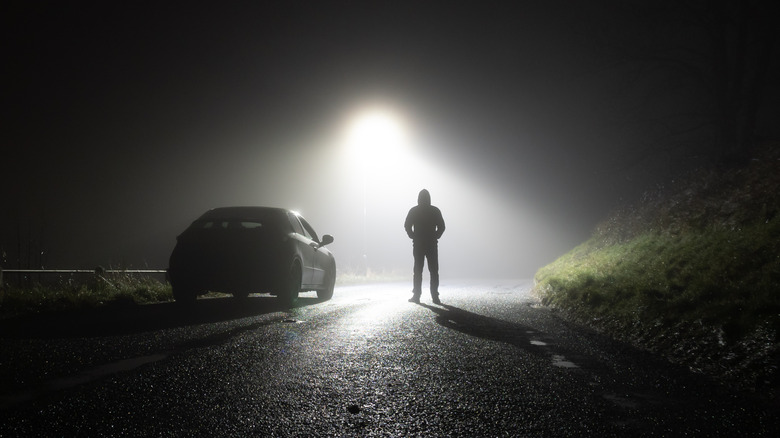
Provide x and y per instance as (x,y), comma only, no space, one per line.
(425,225)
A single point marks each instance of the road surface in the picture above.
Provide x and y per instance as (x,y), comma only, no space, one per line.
(489,361)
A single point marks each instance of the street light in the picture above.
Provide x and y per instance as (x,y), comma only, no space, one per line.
(377,138)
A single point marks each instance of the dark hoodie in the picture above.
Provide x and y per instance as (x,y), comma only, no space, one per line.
(424,223)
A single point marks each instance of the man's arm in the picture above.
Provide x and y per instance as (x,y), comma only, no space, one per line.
(408,223)
(439,224)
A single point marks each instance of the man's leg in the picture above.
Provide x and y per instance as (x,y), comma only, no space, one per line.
(419,260)
(433,268)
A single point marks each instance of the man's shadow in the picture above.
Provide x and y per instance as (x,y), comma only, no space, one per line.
(484,327)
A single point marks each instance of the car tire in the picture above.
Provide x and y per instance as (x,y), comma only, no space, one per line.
(330,283)
(291,285)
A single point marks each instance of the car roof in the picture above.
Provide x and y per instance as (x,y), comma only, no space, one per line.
(242,212)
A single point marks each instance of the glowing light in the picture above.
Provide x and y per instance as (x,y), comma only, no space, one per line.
(377,139)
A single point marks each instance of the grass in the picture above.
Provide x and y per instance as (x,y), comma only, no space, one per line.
(691,272)
(103,290)
(350,277)
(726,277)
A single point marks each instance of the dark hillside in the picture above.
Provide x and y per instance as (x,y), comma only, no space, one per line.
(691,271)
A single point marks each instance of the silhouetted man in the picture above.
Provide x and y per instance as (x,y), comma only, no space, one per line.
(425,225)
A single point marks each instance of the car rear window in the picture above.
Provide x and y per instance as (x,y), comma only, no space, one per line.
(228,224)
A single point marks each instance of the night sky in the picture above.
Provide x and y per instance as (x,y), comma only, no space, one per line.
(124,121)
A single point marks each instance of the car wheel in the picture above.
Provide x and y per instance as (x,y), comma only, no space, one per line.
(330,283)
(184,295)
(291,285)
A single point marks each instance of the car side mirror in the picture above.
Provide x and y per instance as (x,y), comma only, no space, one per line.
(326,239)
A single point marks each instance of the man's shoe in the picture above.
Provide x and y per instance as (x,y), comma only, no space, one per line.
(436,300)
(414,300)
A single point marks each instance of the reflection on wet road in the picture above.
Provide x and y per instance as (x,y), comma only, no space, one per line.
(488,361)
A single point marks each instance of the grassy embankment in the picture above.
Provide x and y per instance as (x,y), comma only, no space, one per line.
(691,272)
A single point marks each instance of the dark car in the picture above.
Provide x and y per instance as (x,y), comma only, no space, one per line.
(243,250)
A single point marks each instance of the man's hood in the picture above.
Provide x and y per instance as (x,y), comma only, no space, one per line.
(424,198)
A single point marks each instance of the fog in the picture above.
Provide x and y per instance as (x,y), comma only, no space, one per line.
(126,122)
(124,210)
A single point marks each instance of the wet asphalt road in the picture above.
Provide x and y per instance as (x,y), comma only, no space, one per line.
(489,361)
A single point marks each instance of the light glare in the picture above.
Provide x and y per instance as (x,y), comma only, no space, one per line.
(377,139)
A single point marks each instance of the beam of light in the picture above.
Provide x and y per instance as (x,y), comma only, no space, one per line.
(380,157)
(377,146)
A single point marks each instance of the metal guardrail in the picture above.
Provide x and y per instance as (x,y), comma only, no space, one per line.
(96,271)
(84,271)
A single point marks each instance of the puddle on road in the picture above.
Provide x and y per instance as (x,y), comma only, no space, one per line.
(621,401)
(560,361)
(538,343)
